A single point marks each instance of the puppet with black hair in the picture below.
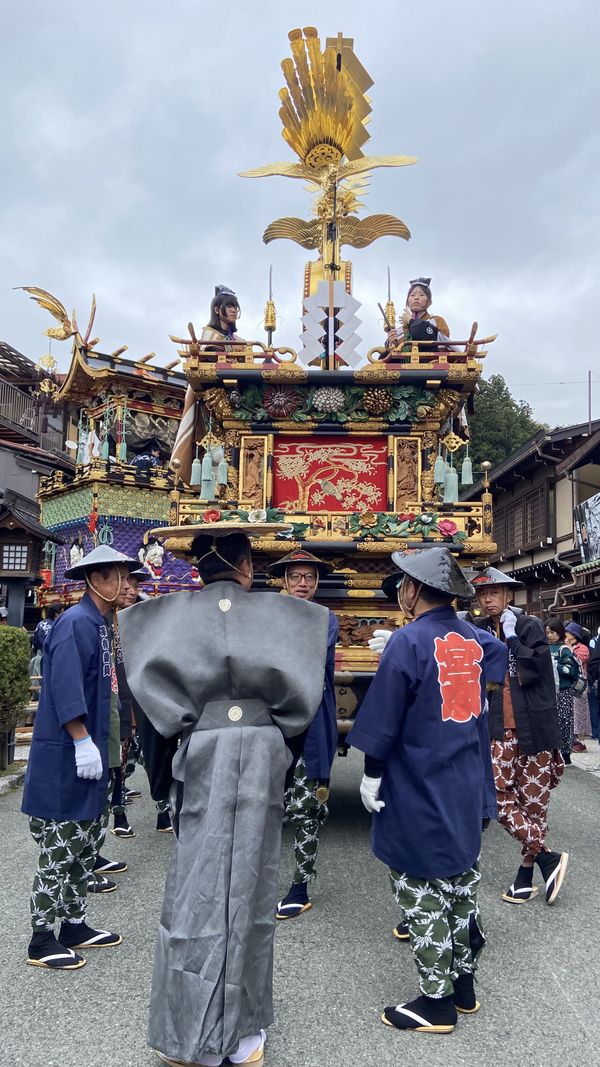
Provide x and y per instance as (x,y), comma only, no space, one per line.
(220,330)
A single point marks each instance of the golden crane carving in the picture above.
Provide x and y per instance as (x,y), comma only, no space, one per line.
(324,111)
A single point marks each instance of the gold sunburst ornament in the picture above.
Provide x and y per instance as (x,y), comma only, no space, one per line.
(324,111)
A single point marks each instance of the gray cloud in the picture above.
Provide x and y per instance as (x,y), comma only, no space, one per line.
(124,126)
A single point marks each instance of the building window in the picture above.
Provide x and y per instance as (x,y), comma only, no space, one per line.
(14,557)
(514,527)
(535,516)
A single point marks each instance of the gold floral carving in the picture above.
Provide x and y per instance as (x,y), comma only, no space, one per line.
(427,482)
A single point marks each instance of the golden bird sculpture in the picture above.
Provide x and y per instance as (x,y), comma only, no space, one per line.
(324,112)
(68,326)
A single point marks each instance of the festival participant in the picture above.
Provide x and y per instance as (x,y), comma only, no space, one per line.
(428,782)
(566,673)
(306,799)
(416,322)
(525,734)
(44,627)
(146,746)
(224,313)
(67,772)
(578,641)
(239,674)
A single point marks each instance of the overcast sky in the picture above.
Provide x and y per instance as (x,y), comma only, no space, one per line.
(124,124)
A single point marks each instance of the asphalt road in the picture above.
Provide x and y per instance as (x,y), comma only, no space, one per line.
(336,966)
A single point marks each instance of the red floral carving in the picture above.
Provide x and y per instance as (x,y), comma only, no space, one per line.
(447,527)
(211,515)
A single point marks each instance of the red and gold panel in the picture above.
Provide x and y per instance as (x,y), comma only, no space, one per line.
(330,474)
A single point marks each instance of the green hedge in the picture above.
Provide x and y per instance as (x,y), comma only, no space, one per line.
(14,676)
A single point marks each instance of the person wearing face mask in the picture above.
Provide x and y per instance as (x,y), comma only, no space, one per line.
(237,674)
(428,780)
(306,798)
(143,744)
(525,735)
(67,772)
(416,322)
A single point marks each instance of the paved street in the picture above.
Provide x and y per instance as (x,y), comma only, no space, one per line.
(336,966)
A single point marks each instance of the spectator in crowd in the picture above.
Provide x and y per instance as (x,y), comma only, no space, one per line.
(566,673)
(578,640)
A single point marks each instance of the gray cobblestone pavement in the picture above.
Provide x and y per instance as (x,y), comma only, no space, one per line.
(336,966)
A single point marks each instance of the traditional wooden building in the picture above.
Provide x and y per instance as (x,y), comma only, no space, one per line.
(535,492)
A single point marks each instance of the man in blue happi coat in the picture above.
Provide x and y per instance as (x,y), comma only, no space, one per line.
(428,781)
(67,773)
(306,798)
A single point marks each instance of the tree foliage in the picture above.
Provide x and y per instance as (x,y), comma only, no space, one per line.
(14,676)
(500,424)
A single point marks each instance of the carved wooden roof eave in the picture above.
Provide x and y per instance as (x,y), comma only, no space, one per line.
(82,380)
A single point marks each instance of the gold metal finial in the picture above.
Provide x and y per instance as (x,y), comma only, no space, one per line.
(324,111)
(486,467)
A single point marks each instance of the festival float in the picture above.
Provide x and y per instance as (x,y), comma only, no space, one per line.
(360,449)
(121,417)
(361,452)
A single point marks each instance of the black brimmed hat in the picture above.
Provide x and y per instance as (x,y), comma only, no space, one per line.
(492,576)
(300,555)
(435,568)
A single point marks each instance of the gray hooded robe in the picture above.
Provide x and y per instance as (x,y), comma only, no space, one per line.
(237,672)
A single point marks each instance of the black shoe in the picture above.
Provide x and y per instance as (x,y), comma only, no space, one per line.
(80,935)
(45,951)
(522,888)
(464,997)
(163,822)
(100,885)
(401,933)
(553,866)
(295,903)
(121,827)
(132,794)
(104,866)
(426,1015)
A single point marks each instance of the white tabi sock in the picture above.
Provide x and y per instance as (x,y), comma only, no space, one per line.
(247,1046)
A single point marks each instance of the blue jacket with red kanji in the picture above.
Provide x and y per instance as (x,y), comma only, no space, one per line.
(425,717)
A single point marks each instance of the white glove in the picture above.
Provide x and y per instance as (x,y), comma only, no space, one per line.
(379,640)
(88,759)
(509,622)
(369,792)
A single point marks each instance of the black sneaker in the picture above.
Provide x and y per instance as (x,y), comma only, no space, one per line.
(464,997)
(45,951)
(163,822)
(104,866)
(132,794)
(522,888)
(401,933)
(80,935)
(553,866)
(425,1015)
(100,884)
(121,827)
